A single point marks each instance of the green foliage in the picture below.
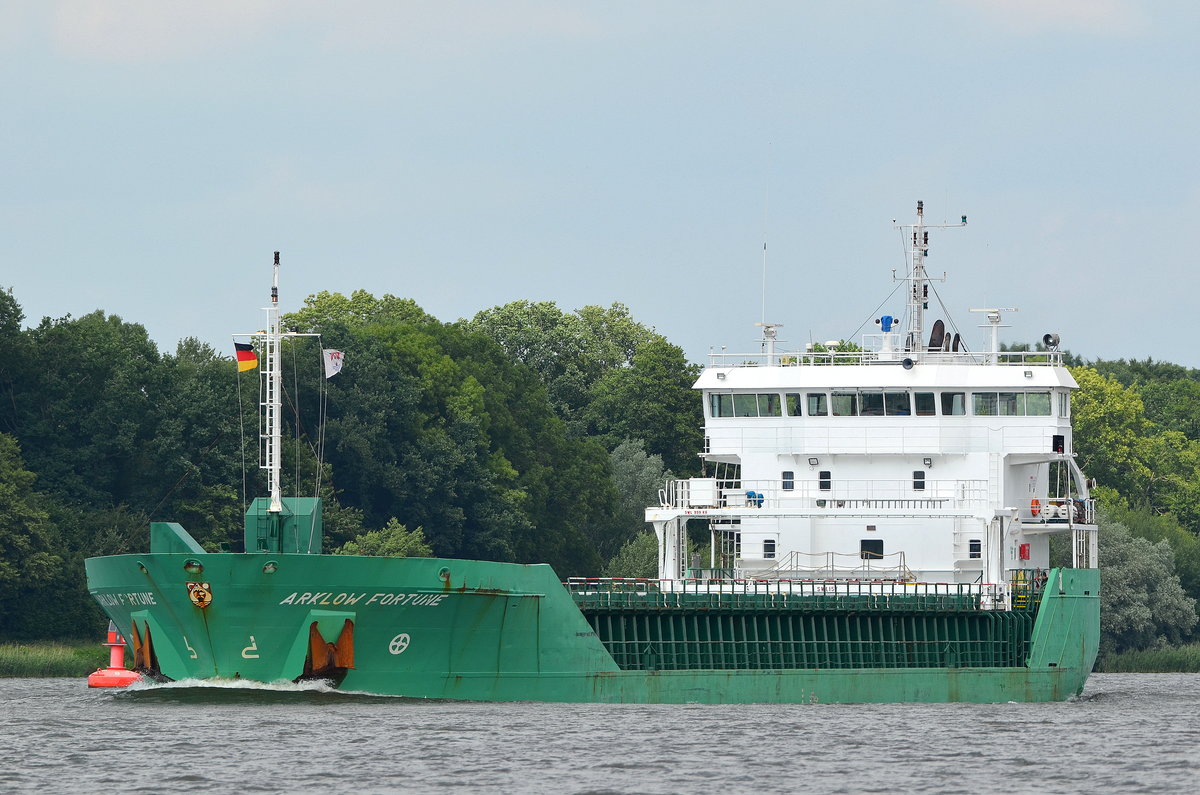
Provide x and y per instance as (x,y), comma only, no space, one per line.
(1173,405)
(1142,604)
(1146,463)
(51,659)
(28,544)
(637,477)
(652,400)
(84,408)
(1132,371)
(11,316)
(1185,659)
(328,312)
(26,536)
(1155,528)
(637,558)
(393,541)
(605,374)
(570,351)
(436,424)
(1108,424)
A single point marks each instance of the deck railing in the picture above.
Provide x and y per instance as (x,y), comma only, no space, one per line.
(883,494)
(802,594)
(839,565)
(883,358)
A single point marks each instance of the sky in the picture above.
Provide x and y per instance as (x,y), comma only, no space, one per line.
(154,153)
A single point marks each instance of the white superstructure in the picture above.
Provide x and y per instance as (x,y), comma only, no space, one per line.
(911,459)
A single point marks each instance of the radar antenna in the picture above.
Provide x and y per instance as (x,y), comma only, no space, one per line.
(769,334)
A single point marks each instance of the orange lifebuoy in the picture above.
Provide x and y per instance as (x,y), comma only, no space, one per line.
(1035,507)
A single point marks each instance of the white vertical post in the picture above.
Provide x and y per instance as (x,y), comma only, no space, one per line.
(670,549)
(273,385)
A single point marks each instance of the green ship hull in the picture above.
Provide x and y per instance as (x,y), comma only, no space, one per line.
(476,630)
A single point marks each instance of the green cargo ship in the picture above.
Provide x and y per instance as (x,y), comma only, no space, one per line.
(839,568)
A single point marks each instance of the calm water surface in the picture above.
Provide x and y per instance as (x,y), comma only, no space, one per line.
(1128,733)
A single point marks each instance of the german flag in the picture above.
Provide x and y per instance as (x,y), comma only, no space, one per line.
(247,359)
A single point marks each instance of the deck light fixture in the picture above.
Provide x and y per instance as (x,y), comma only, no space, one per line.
(812,462)
(928,462)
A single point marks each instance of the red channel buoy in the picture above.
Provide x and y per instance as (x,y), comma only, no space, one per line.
(116,674)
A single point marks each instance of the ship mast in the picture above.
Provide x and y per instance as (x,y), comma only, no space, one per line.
(272,390)
(918,279)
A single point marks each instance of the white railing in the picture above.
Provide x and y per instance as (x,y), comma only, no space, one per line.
(606,592)
(889,494)
(825,358)
(837,565)
(1084,547)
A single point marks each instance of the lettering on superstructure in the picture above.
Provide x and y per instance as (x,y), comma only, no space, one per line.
(321,598)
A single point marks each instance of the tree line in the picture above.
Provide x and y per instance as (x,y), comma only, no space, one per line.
(527,433)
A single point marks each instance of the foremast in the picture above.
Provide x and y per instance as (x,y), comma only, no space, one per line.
(276,523)
(271,405)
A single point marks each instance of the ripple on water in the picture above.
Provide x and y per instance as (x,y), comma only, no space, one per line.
(243,736)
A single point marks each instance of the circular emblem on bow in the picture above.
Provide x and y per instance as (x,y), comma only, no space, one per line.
(199,593)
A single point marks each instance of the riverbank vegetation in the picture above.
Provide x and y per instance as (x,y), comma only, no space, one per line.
(1168,659)
(52,659)
(527,433)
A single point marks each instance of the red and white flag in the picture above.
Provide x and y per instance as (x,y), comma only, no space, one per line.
(333,362)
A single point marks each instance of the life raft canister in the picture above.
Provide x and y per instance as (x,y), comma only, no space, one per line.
(1035,507)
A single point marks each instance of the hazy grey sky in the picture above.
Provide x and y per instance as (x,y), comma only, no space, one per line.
(467,154)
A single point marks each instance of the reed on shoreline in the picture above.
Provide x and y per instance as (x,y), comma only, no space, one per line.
(1174,659)
(50,658)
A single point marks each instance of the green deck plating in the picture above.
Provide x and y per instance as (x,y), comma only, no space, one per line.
(458,629)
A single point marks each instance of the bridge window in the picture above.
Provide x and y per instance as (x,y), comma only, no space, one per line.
(919,480)
(793,404)
(1011,404)
(879,404)
(818,404)
(975,548)
(825,480)
(745,405)
(895,404)
(954,403)
(769,548)
(789,480)
(986,404)
(926,405)
(845,404)
(1037,404)
(722,405)
(872,404)
(871,548)
(1064,404)
(769,405)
